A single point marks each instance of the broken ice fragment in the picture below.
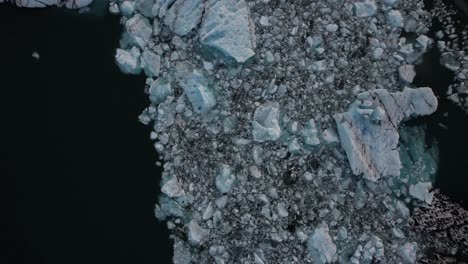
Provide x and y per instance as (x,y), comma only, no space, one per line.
(407,73)
(372,145)
(265,122)
(293,146)
(224,178)
(159,90)
(196,88)
(181,252)
(408,252)
(172,188)
(422,192)
(320,245)
(150,63)
(310,134)
(196,234)
(449,61)
(226,26)
(365,9)
(137,31)
(128,60)
(127,8)
(394,18)
(184,15)
(145,7)
(281,208)
(330,136)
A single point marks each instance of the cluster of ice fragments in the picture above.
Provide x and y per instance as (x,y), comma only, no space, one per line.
(278,125)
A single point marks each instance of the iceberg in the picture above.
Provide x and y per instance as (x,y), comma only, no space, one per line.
(368,131)
(151,63)
(226,26)
(365,9)
(224,178)
(72,4)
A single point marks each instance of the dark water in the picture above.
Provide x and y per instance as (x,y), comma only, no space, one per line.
(80,168)
(449,124)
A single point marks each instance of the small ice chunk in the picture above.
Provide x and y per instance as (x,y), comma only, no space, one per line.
(331,27)
(224,178)
(450,61)
(264,21)
(114,8)
(209,212)
(159,90)
(184,15)
(310,134)
(36,55)
(196,234)
(265,122)
(196,88)
(151,63)
(421,191)
(330,136)
(377,53)
(365,9)
(293,146)
(127,8)
(281,208)
(407,73)
(395,19)
(407,252)
(145,7)
(128,60)
(172,188)
(320,245)
(138,30)
(181,253)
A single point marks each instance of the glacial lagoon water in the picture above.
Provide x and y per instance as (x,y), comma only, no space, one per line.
(84,180)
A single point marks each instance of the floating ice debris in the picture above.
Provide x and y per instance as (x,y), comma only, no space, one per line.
(330,136)
(72,4)
(320,245)
(159,90)
(181,253)
(227,27)
(145,7)
(128,60)
(127,8)
(395,19)
(265,122)
(196,234)
(449,61)
(407,73)
(310,134)
(172,188)
(422,192)
(196,88)
(371,252)
(151,63)
(224,178)
(36,55)
(371,144)
(137,31)
(184,15)
(408,252)
(365,9)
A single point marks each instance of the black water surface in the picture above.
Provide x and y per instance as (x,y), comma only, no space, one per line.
(448,125)
(83,180)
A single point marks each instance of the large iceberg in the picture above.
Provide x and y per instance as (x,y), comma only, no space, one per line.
(227,27)
(368,131)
